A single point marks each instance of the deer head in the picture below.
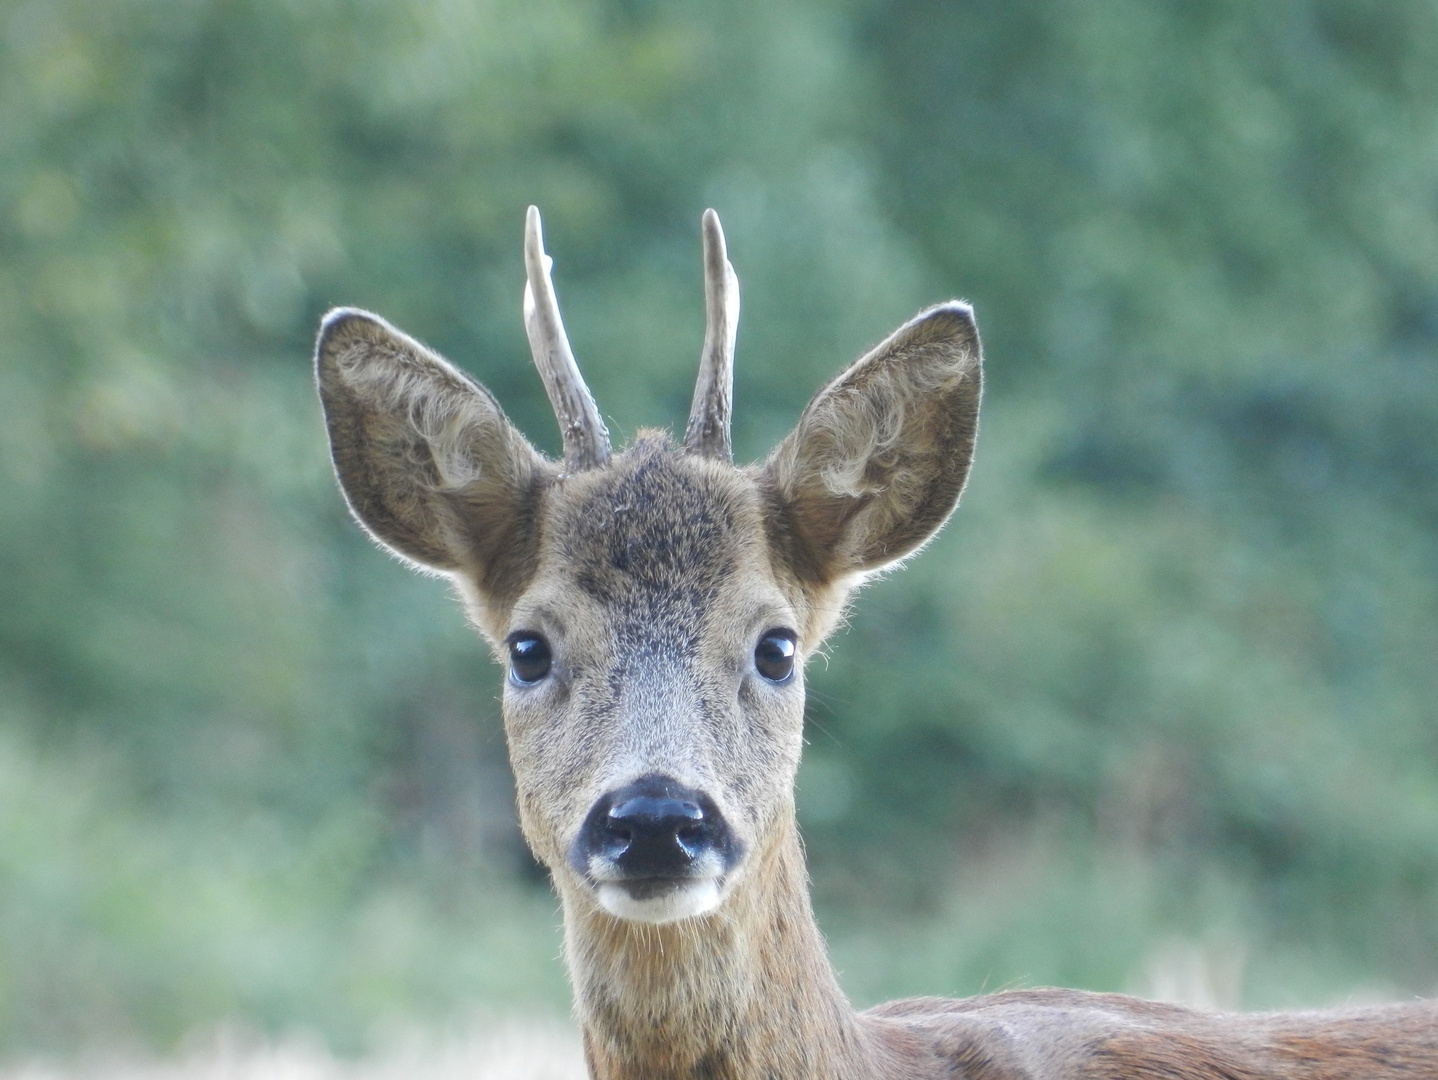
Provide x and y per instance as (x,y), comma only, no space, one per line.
(654,607)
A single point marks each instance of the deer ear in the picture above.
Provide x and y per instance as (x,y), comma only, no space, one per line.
(426,458)
(878,459)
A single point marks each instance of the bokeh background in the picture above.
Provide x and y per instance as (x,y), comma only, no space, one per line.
(1158,712)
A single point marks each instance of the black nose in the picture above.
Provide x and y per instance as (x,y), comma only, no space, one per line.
(652,828)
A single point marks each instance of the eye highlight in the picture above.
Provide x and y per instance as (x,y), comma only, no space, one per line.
(775,654)
(529,658)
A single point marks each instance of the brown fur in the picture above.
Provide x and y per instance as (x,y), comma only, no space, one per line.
(651,577)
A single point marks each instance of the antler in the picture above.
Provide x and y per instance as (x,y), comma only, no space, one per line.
(708,430)
(586,441)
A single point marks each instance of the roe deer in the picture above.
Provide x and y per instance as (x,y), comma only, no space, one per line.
(655,608)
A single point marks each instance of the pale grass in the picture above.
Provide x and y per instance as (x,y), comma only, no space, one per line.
(508,1049)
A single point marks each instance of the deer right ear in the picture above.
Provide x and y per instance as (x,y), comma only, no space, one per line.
(879,457)
(427,460)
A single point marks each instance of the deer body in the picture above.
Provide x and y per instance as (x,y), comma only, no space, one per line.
(655,608)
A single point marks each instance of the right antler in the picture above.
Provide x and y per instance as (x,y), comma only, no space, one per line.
(586,441)
(708,430)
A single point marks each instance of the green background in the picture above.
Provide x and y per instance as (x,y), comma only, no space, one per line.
(1157,712)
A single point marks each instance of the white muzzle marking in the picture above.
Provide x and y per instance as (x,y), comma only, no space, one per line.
(688,898)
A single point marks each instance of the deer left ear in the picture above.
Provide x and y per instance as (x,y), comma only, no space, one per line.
(877,461)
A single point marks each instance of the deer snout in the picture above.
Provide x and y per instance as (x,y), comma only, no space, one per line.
(655,850)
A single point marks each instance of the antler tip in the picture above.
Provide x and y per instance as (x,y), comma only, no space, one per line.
(712,230)
(533,237)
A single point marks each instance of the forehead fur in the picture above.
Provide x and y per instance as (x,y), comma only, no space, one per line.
(658,525)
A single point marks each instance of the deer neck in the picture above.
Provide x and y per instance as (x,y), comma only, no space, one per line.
(745,992)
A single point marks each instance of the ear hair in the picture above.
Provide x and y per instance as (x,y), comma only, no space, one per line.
(878,459)
(427,460)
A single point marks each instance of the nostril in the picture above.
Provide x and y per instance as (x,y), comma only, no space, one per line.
(614,837)
(693,838)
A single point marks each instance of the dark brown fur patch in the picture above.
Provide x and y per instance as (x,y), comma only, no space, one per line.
(654,543)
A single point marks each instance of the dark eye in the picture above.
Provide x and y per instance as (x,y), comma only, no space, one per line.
(529,658)
(774,655)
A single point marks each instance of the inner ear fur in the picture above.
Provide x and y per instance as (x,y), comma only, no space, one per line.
(878,459)
(426,458)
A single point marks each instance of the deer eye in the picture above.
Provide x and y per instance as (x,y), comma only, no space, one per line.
(529,658)
(774,655)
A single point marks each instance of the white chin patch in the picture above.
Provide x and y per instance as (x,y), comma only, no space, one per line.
(684,901)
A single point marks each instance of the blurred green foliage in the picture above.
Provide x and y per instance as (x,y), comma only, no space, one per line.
(1171,675)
